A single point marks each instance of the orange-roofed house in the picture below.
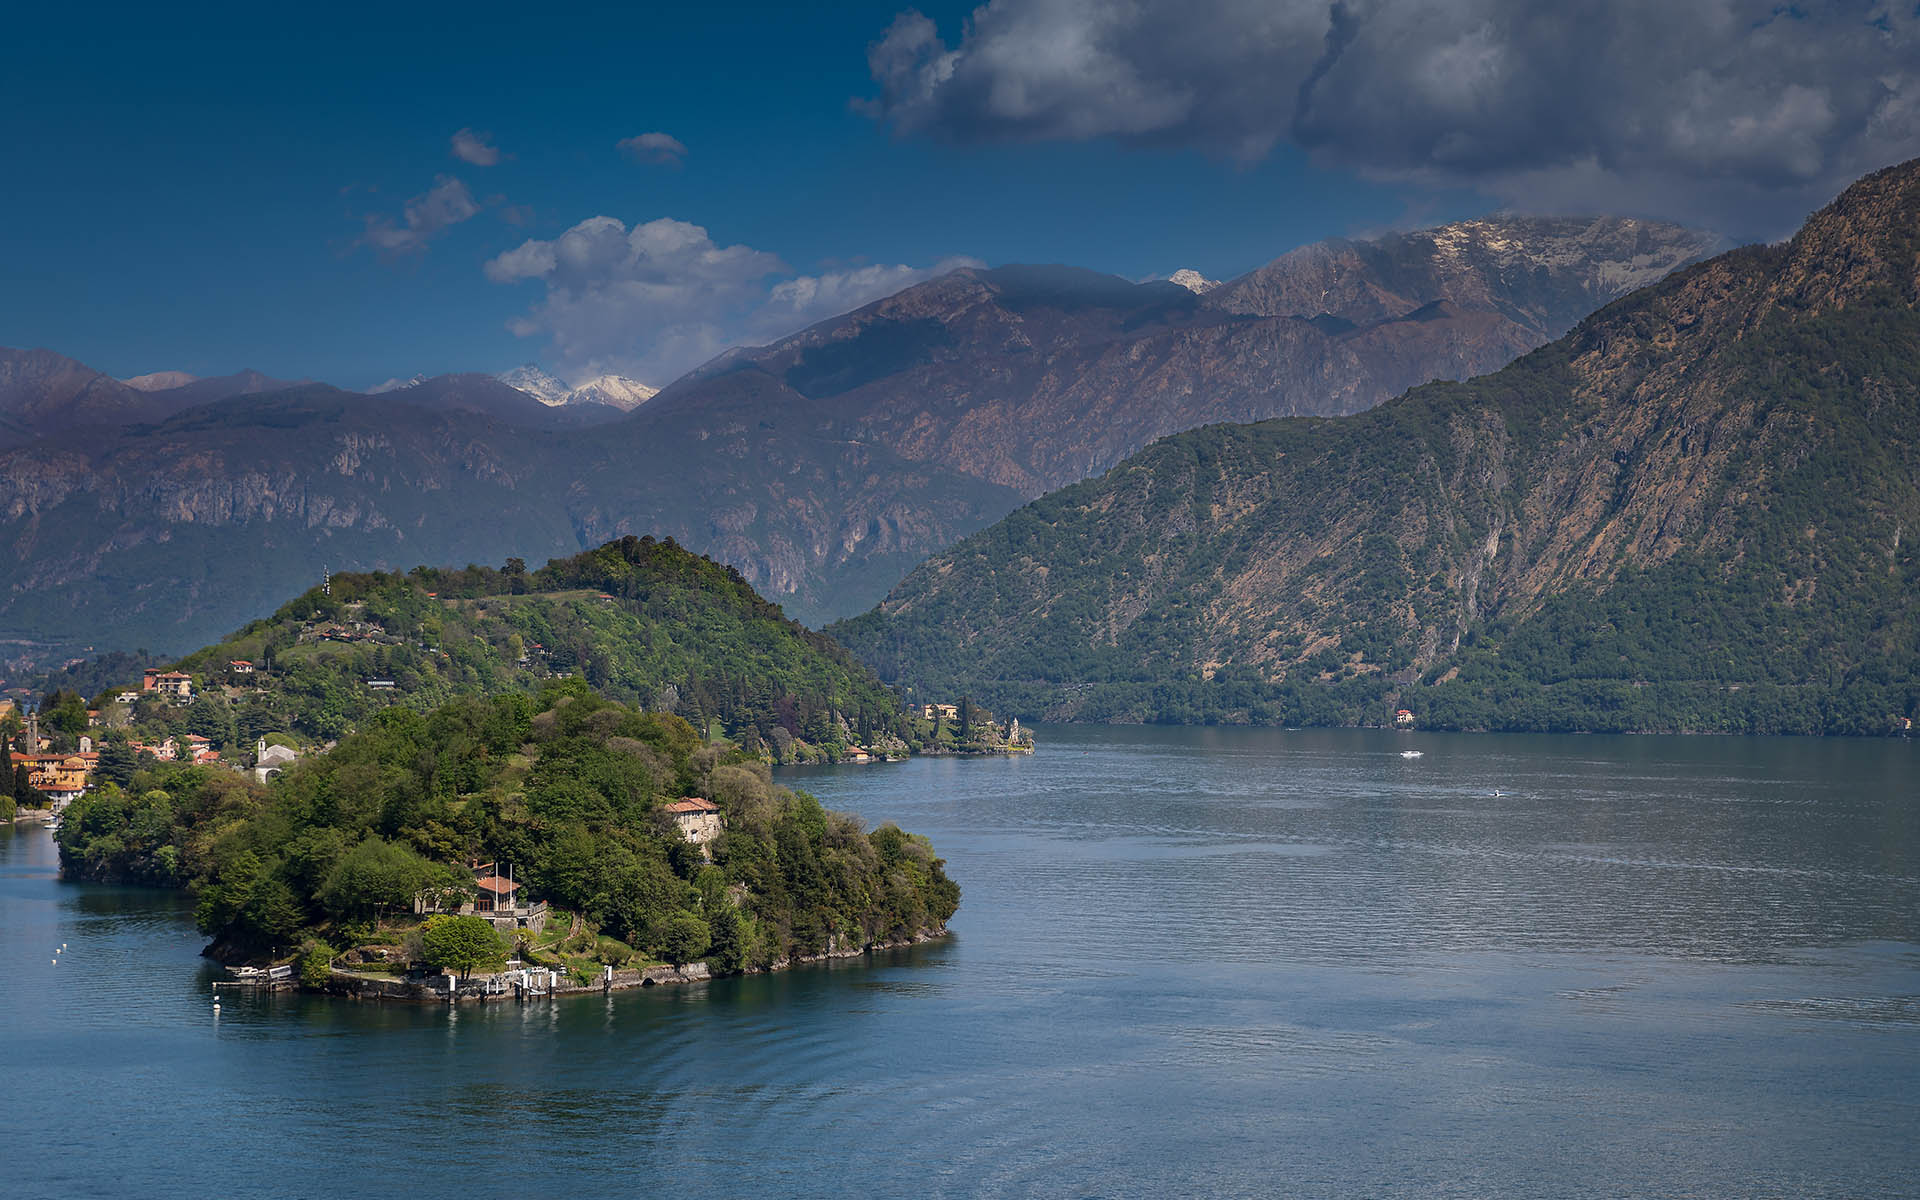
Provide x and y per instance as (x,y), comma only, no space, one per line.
(699,820)
(494,891)
(499,898)
(166,751)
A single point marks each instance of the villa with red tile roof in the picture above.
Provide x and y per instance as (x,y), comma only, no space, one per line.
(698,819)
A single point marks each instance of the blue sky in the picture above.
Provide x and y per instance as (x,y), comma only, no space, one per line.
(193,189)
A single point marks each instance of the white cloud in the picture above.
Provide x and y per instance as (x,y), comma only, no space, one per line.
(805,299)
(426,216)
(1727,111)
(658,299)
(476,148)
(656,147)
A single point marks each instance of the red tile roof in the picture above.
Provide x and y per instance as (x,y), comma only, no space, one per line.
(693,804)
(496,885)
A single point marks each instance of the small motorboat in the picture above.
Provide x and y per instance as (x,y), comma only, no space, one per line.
(1411,753)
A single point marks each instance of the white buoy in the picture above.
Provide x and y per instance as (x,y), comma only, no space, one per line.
(216,1006)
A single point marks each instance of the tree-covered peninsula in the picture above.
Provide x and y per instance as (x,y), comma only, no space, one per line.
(642,621)
(568,803)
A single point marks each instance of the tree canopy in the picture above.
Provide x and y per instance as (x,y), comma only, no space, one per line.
(566,788)
(461,944)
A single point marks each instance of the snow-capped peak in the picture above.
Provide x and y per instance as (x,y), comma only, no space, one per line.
(616,390)
(1193,281)
(159,381)
(536,383)
(395,384)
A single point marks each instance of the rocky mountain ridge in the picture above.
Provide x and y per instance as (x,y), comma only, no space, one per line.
(1034,377)
(1692,512)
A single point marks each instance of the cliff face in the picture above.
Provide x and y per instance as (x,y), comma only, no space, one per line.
(1697,505)
(823,466)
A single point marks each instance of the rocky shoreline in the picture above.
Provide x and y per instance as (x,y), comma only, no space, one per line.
(532,983)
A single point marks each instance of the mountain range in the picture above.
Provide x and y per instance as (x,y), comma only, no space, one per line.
(1693,512)
(823,466)
(43,393)
(1035,377)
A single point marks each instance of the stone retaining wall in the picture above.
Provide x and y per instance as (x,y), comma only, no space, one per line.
(490,987)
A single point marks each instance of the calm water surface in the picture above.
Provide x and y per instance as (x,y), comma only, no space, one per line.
(1246,963)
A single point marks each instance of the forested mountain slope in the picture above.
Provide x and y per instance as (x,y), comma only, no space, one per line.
(640,620)
(1696,511)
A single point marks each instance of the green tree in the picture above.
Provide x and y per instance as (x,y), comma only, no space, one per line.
(316,962)
(374,878)
(25,795)
(118,761)
(727,944)
(64,712)
(461,944)
(684,938)
(211,717)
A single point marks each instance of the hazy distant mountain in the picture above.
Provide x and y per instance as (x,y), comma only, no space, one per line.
(488,395)
(204,391)
(1694,512)
(148,536)
(41,391)
(153,536)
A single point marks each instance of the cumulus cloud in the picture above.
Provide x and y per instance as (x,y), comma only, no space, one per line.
(426,216)
(656,147)
(476,148)
(1731,111)
(663,297)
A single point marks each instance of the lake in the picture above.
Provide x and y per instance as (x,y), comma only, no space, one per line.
(1187,962)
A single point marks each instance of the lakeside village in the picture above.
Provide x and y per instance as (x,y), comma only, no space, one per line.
(63,748)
